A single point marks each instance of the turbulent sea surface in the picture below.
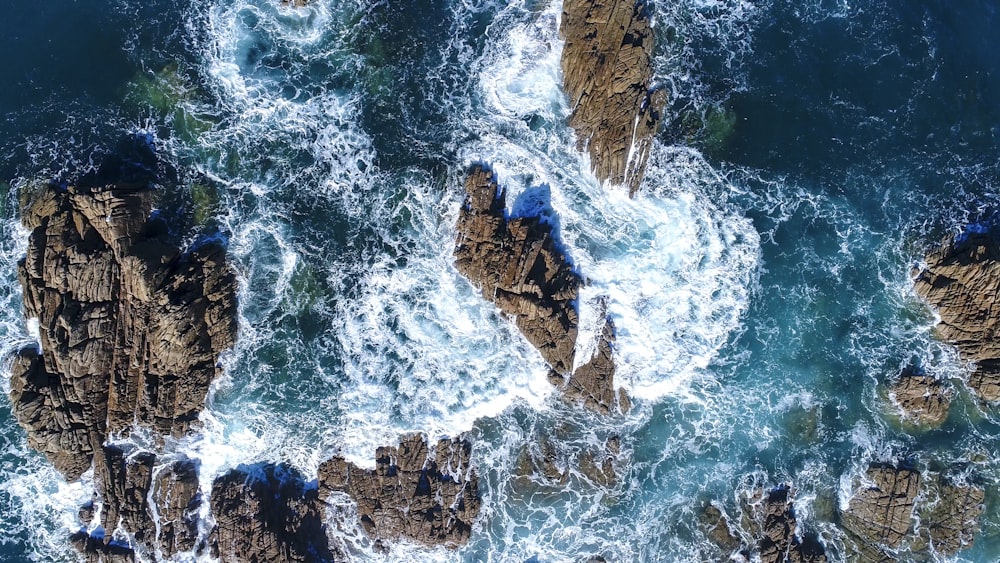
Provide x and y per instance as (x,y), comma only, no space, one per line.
(760,283)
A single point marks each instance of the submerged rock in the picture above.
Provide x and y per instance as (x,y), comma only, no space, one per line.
(518,265)
(267,512)
(430,496)
(923,399)
(950,522)
(880,512)
(961,280)
(608,75)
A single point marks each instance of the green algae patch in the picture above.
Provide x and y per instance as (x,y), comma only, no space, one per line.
(172,95)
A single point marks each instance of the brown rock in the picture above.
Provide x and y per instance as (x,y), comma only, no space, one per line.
(267,513)
(430,497)
(296,3)
(922,398)
(517,265)
(716,526)
(779,542)
(607,75)
(600,467)
(960,281)
(951,523)
(593,383)
(175,492)
(880,512)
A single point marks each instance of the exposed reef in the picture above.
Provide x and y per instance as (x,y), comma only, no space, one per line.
(961,280)
(608,77)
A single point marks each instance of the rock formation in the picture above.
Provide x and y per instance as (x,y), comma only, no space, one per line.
(267,513)
(779,541)
(961,280)
(518,265)
(130,329)
(923,399)
(410,494)
(951,520)
(608,76)
(880,511)
(428,496)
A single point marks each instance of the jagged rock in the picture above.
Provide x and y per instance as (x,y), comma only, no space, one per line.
(175,492)
(518,266)
(593,383)
(430,497)
(780,541)
(296,3)
(960,280)
(950,524)
(881,509)
(130,328)
(717,527)
(923,399)
(95,550)
(607,75)
(267,513)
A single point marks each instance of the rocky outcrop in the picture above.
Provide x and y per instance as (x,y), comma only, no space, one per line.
(130,328)
(427,495)
(608,76)
(518,265)
(881,510)
(267,512)
(961,280)
(129,333)
(951,521)
(780,541)
(923,399)
(593,383)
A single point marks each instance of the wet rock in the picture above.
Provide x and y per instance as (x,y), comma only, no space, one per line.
(95,550)
(951,521)
(264,513)
(960,279)
(607,75)
(717,527)
(592,384)
(599,467)
(923,399)
(428,496)
(518,265)
(881,509)
(296,3)
(780,541)
(175,492)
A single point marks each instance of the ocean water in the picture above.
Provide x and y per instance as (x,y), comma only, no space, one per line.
(760,282)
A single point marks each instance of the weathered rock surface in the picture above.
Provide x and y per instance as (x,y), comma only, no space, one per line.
(881,510)
(517,265)
(267,513)
(593,383)
(950,524)
(923,399)
(780,542)
(961,281)
(130,328)
(428,496)
(608,75)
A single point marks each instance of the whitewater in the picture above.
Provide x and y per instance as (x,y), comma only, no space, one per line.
(759,282)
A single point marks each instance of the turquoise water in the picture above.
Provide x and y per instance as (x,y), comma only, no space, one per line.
(759,284)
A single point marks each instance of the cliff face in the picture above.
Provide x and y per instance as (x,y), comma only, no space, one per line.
(608,75)
(961,281)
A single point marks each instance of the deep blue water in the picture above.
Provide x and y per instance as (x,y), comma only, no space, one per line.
(760,284)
